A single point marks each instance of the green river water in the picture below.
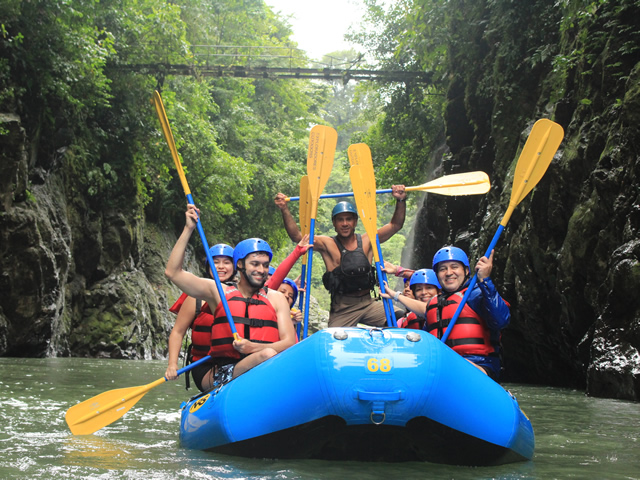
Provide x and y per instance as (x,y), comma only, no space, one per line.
(576,436)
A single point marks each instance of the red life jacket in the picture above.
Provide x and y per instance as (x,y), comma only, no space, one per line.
(412,321)
(470,334)
(255,319)
(200,329)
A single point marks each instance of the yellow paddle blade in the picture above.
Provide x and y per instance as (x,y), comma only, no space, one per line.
(305,210)
(364,177)
(537,153)
(166,129)
(469,183)
(95,413)
(322,148)
(366,205)
(360,154)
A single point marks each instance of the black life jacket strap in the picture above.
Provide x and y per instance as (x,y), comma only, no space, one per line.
(445,323)
(216,342)
(465,341)
(342,248)
(247,301)
(249,322)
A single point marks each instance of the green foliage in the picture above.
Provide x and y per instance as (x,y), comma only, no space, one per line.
(64,70)
(404,122)
(597,34)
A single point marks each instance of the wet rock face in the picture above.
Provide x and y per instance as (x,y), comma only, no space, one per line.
(569,260)
(75,282)
(120,319)
(32,260)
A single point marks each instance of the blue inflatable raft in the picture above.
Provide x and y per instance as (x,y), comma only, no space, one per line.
(362,394)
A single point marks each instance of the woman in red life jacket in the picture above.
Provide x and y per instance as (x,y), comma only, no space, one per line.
(424,285)
(476,333)
(261,316)
(418,284)
(197,315)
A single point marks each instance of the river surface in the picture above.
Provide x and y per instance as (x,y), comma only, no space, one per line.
(576,436)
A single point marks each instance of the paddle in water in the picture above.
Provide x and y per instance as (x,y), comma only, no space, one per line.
(470,183)
(97,412)
(538,151)
(322,148)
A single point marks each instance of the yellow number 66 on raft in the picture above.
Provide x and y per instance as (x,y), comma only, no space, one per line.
(379,365)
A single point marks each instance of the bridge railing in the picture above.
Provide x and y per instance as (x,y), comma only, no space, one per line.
(259,56)
(263,62)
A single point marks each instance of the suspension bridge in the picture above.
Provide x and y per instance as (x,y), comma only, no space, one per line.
(271,63)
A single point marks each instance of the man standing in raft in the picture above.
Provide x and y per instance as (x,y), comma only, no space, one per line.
(347,258)
(261,315)
(476,333)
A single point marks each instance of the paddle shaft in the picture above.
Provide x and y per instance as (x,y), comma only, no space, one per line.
(378,192)
(166,129)
(522,187)
(389,308)
(469,183)
(301,299)
(216,278)
(312,228)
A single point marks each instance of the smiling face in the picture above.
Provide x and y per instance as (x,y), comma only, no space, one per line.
(287,291)
(345,224)
(451,275)
(424,292)
(224,267)
(256,269)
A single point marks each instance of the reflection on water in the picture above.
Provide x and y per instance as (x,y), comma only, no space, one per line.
(98,452)
(576,436)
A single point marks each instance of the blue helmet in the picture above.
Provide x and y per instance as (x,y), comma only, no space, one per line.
(450,253)
(221,250)
(248,246)
(272,269)
(424,276)
(293,285)
(342,207)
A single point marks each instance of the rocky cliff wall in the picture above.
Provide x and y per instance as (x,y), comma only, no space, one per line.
(74,281)
(569,259)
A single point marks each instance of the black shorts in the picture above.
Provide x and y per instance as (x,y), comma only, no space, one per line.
(222,372)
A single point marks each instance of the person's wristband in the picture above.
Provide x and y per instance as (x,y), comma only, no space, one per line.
(399,271)
(396,296)
(402,199)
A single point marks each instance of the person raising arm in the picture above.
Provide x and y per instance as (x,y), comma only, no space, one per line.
(349,277)
(261,315)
